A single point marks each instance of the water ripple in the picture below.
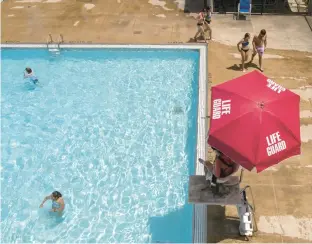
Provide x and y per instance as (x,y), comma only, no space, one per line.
(110,134)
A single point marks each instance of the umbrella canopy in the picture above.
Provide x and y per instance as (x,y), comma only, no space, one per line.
(254,121)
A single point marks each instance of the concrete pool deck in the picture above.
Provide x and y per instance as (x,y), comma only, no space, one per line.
(283,192)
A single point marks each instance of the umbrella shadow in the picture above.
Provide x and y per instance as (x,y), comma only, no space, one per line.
(174,227)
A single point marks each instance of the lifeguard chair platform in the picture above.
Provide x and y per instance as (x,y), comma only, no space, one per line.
(200,193)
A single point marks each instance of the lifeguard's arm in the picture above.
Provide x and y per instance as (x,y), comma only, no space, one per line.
(45,199)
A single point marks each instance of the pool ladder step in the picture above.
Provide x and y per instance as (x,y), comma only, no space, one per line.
(52,46)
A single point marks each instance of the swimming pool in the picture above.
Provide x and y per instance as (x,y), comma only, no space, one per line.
(114,130)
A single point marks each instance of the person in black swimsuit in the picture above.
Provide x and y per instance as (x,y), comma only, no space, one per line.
(243,48)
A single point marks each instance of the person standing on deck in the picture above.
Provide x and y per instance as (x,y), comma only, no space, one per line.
(200,26)
(259,45)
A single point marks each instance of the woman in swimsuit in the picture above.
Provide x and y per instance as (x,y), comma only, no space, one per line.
(58,203)
(243,48)
(208,21)
(200,26)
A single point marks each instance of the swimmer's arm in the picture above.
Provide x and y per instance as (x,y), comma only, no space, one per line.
(45,199)
(265,41)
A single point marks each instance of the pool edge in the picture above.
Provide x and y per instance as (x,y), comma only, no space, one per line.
(200,211)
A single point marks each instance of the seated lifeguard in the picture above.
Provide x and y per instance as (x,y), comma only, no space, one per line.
(222,167)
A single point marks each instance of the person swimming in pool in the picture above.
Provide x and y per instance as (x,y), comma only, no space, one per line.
(29,74)
(58,203)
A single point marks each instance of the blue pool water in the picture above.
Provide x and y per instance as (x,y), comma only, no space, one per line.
(113,130)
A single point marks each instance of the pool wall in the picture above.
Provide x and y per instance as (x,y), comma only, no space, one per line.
(200,211)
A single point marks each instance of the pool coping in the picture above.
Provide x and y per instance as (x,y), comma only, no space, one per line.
(200,211)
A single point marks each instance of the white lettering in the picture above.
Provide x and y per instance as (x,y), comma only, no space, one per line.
(273,138)
(274,86)
(268,141)
(275,143)
(220,108)
(216,113)
(278,136)
(280,146)
(226,107)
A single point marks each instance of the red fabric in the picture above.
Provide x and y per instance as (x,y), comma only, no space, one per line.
(259,126)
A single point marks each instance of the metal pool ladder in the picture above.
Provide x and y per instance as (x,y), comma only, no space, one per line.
(52,46)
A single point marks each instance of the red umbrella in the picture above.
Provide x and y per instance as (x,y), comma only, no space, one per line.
(254,121)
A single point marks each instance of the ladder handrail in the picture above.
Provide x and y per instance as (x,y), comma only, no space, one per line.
(60,40)
(50,41)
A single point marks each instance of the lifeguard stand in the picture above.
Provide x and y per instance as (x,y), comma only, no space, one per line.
(225,191)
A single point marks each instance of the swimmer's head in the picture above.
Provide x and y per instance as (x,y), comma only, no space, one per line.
(28,70)
(247,36)
(56,195)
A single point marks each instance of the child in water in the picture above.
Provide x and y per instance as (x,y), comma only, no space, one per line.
(58,203)
(29,74)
